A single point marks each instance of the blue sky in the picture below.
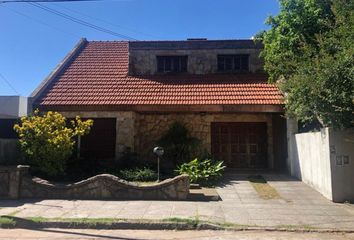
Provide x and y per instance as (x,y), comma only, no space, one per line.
(33,41)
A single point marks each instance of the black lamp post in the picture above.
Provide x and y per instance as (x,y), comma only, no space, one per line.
(159,151)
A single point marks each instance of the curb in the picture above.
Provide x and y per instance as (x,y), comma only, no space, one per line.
(156,225)
(121,224)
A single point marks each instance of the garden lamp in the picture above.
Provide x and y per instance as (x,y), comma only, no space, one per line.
(159,151)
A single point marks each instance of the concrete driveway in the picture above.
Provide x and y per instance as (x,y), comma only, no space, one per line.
(298,205)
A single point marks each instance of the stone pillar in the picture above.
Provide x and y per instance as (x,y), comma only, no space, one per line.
(270,142)
(15,178)
(292,160)
(125,130)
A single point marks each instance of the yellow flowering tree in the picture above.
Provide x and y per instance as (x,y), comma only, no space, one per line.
(47,141)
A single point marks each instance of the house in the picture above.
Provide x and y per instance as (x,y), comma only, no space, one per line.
(135,90)
(11,109)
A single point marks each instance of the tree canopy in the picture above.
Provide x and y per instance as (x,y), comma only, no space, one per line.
(309,52)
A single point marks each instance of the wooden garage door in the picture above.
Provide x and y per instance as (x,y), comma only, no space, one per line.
(240,145)
(100,143)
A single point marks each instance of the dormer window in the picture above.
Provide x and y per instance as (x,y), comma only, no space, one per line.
(172,64)
(233,63)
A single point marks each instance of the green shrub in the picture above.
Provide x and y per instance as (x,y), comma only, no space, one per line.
(138,174)
(130,160)
(206,172)
(179,145)
(47,142)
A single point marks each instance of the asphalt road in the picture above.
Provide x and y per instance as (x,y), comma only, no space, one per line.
(79,234)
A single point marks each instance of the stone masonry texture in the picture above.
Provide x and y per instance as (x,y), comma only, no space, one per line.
(141,131)
(104,186)
(200,61)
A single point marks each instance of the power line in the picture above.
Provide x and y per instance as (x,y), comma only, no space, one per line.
(79,21)
(105,21)
(44,1)
(38,21)
(9,84)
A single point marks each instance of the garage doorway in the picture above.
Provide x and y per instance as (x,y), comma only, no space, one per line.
(100,143)
(240,144)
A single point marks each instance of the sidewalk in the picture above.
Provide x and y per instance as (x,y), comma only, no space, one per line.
(299,206)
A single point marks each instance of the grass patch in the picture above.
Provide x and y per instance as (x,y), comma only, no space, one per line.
(37,219)
(264,190)
(92,222)
(72,222)
(188,221)
(194,223)
(296,227)
(89,221)
(108,223)
(7,222)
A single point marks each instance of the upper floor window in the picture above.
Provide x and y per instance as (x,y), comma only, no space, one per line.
(229,63)
(174,64)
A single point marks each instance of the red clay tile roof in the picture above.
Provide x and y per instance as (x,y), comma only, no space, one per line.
(98,76)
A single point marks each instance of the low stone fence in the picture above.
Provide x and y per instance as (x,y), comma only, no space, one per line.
(8,181)
(104,186)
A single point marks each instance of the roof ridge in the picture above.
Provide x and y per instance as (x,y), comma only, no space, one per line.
(108,41)
(182,40)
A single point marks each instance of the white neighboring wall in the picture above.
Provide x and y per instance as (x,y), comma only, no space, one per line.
(342,148)
(13,106)
(324,160)
(314,160)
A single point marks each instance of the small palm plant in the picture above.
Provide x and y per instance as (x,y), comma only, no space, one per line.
(203,172)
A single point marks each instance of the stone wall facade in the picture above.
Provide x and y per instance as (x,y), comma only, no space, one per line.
(10,179)
(22,185)
(140,131)
(4,180)
(200,61)
(125,127)
(150,127)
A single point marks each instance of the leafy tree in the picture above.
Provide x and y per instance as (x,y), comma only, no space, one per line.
(47,142)
(308,51)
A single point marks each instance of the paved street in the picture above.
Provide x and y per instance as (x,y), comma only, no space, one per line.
(299,205)
(78,234)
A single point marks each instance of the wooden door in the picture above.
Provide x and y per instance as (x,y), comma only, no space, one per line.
(240,145)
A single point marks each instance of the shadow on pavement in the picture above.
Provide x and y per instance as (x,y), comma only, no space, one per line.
(95,236)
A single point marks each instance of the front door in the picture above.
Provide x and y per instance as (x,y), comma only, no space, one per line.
(240,144)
